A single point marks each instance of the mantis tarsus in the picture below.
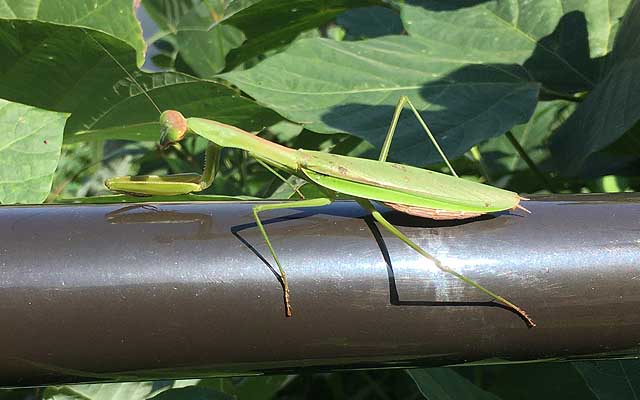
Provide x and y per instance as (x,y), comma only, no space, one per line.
(410,190)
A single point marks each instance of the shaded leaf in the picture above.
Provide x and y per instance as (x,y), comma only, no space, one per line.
(529,381)
(550,38)
(611,109)
(192,393)
(41,68)
(115,17)
(205,51)
(370,22)
(502,160)
(353,87)
(29,151)
(447,384)
(611,379)
(197,30)
(128,113)
(108,391)
(259,387)
(271,24)
(616,157)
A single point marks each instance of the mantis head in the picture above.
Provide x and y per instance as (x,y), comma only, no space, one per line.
(173,128)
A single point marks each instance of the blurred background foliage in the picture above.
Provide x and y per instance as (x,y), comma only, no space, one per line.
(536,97)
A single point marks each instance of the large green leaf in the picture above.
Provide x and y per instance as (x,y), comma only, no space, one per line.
(29,150)
(472,67)
(128,114)
(353,87)
(114,17)
(610,110)
(81,71)
(58,67)
(550,38)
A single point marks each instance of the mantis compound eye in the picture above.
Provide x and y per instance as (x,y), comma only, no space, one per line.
(173,128)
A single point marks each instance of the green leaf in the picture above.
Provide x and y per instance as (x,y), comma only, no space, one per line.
(523,381)
(272,24)
(473,67)
(205,51)
(40,67)
(58,67)
(502,160)
(616,157)
(192,393)
(611,109)
(353,87)
(447,384)
(549,38)
(115,17)
(29,151)
(128,114)
(198,32)
(611,379)
(603,20)
(108,391)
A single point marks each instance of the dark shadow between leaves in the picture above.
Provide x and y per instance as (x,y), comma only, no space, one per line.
(449,5)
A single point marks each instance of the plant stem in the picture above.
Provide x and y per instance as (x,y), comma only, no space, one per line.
(523,154)
(477,156)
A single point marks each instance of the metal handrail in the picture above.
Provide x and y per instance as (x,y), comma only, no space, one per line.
(112,292)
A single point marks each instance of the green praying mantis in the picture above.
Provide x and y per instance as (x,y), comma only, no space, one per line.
(410,190)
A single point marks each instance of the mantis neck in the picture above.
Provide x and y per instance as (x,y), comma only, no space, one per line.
(229,136)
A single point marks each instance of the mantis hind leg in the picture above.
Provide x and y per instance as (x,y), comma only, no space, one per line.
(322,201)
(366,204)
(392,129)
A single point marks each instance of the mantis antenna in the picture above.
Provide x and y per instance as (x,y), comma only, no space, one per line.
(115,60)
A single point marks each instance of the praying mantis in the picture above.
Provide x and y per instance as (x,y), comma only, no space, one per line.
(410,190)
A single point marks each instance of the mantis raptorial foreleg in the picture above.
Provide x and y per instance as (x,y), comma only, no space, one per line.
(322,201)
(366,204)
(392,129)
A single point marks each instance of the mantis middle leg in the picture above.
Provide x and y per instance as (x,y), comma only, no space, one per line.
(322,201)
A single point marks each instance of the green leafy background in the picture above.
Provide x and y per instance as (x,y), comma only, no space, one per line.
(535,96)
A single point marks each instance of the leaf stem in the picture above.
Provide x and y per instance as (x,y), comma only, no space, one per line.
(477,156)
(551,94)
(532,165)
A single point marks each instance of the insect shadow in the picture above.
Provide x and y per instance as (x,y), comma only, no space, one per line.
(235,231)
(394,295)
(396,218)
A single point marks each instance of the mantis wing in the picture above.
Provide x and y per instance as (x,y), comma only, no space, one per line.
(403,184)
